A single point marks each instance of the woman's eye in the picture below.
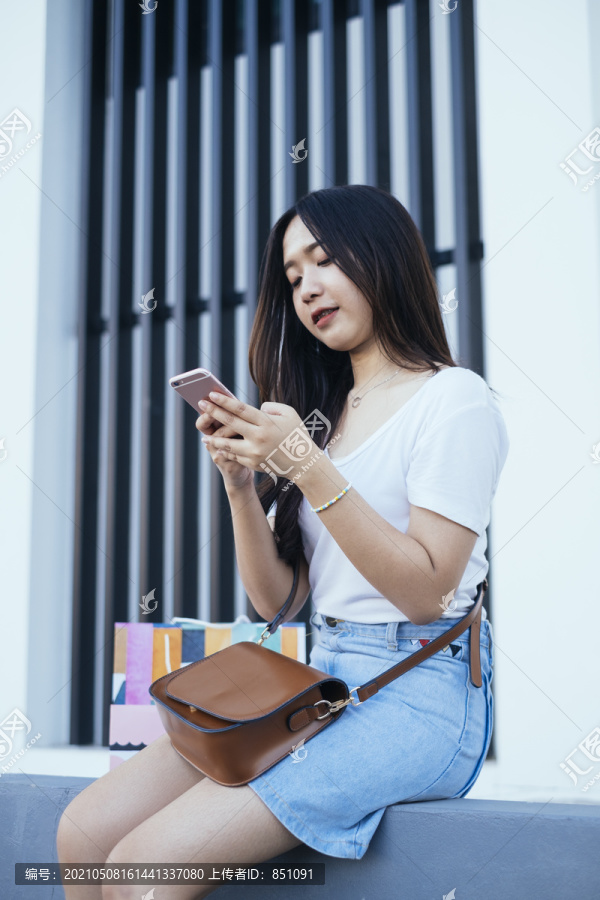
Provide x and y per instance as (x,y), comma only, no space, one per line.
(323,262)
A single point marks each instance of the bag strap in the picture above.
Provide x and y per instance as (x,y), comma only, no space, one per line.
(276,622)
(473,617)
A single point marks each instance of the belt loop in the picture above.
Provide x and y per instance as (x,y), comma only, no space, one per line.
(490,641)
(391,632)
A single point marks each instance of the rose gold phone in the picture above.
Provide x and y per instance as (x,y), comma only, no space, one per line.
(196,385)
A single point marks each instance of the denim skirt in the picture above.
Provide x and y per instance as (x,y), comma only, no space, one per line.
(424,736)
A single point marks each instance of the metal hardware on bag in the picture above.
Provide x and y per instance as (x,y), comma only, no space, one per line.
(193,708)
(274,624)
(266,633)
(338,704)
(327,713)
(341,703)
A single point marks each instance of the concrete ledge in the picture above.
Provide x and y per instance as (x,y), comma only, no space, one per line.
(484,849)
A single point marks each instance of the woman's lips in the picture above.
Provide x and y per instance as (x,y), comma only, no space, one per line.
(325,319)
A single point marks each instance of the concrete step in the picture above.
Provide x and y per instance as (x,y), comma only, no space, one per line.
(480,849)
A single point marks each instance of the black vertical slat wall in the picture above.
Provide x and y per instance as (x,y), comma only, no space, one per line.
(376,87)
(160,35)
(294,18)
(161,109)
(418,61)
(185,489)
(335,99)
(118,242)
(223,33)
(90,331)
(469,247)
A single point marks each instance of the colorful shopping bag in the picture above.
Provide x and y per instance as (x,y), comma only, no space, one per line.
(145,651)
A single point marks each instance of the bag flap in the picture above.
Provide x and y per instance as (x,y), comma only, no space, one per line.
(242,682)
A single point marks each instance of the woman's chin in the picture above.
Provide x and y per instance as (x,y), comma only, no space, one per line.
(342,344)
(339,345)
(336,340)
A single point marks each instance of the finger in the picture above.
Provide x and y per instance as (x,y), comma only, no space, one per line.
(274,409)
(279,415)
(224,431)
(220,456)
(214,428)
(207,424)
(228,457)
(234,412)
(237,446)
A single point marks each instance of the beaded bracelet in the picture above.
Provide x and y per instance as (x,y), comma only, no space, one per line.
(318,509)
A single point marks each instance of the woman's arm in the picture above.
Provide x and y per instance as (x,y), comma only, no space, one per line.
(413,570)
(266,578)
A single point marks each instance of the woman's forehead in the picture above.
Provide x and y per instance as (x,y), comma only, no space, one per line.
(296,237)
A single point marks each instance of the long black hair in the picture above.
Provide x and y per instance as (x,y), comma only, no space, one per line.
(371,237)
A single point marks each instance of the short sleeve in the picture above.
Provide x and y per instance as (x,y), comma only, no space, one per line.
(455,465)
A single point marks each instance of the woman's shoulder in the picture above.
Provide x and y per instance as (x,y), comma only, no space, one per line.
(455,391)
(458,418)
(459,387)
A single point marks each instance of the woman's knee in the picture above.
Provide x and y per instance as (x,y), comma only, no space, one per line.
(78,838)
(132,848)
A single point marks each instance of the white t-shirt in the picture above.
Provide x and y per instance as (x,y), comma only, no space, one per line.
(443,450)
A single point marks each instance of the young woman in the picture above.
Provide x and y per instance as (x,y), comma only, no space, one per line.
(349,340)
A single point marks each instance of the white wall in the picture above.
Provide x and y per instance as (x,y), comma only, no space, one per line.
(41,227)
(22,86)
(62,236)
(542,325)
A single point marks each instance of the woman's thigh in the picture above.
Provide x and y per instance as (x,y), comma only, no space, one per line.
(109,808)
(208,824)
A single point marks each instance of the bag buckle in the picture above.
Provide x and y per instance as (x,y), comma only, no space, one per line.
(266,633)
(337,704)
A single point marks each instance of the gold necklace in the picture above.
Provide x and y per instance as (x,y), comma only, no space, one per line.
(356,400)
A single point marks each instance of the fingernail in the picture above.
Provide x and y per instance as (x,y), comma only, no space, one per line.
(214,395)
(202,404)
(204,440)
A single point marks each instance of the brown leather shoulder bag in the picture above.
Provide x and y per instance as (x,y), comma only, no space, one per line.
(236,713)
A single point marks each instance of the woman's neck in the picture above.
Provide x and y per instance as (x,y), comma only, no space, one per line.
(369,367)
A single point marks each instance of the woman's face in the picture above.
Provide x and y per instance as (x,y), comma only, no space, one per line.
(319,285)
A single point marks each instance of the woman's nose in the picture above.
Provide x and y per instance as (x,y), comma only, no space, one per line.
(311,287)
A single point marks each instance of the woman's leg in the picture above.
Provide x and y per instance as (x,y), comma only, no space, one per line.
(206,825)
(101,815)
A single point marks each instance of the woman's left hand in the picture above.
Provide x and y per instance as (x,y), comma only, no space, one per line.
(273,438)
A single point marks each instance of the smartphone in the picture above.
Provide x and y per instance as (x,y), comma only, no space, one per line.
(196,385)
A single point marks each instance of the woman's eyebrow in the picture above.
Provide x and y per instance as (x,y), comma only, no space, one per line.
(307,249)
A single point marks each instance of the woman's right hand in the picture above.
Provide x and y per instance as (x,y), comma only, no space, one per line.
(235,475)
